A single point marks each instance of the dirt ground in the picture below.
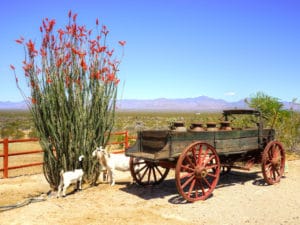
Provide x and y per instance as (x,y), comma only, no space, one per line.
(240,198)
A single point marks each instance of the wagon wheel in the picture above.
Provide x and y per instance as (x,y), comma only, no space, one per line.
(273,160)
(197,171)
(146,172)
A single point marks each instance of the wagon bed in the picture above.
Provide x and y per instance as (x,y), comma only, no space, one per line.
(168,145)
(199,157)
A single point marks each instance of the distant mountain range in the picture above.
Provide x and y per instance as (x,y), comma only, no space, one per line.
(13,105)
(201,103)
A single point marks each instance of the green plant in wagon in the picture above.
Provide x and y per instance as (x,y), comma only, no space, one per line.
(73,82)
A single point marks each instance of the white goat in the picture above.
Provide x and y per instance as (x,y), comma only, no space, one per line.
(111,162)
(70,177)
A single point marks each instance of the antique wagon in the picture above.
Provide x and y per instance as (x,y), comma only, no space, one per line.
(200,155)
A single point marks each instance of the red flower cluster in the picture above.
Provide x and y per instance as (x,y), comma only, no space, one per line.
(70,55)
(122,43)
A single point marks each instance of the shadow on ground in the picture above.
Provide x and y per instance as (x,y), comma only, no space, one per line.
(167,189)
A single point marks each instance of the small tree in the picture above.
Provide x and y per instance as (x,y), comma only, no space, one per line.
(270,107)
(291,128)
(286,122)
(73,81)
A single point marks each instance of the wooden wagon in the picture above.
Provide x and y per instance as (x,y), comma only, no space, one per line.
(199,156)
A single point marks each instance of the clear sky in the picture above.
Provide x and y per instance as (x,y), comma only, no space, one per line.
(227,49)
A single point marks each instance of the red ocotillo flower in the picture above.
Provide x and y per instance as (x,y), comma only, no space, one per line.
(20,41)
(104,30)
(109,53)
(122,43)
(83,65)
(49,80)
(33,101)
(43,52)
(12,67)
(31,49)
(74,17)
(50,25)
(110,77)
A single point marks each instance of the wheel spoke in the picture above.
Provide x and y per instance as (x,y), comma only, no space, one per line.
(154,174)
(212,175)
(212,166)
(204,156)
(209,159)
(202,187)
(189,180)
(194,154)
(190,161)
(206,182)
(191,188)
(142,177)
(149,175)
(140,169)
(199,154)
(187,168)
(158,170)
(270,172)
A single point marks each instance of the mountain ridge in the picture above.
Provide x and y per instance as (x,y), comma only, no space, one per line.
(200,103)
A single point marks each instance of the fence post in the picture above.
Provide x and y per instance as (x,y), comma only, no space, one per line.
(5,159)
(126,139)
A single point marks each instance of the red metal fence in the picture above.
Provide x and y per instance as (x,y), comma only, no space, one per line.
(6,154)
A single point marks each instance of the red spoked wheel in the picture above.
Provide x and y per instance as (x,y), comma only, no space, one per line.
(147,172)
(273,161)
(197,171)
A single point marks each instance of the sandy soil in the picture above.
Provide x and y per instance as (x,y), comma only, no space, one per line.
(240,198)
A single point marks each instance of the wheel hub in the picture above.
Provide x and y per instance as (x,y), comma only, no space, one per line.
(200,172)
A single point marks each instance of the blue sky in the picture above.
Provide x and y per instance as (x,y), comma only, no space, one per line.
(227,49)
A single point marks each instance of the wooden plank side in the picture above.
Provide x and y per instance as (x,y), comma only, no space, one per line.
(235,134)
(166,144)
(249,143)
(227,146)
(213,135)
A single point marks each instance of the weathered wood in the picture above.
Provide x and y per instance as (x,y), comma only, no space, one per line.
(166,144)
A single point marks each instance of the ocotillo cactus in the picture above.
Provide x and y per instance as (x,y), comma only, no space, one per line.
(73,81)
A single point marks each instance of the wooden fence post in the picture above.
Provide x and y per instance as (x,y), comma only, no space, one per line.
(126,139)
(5,159)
